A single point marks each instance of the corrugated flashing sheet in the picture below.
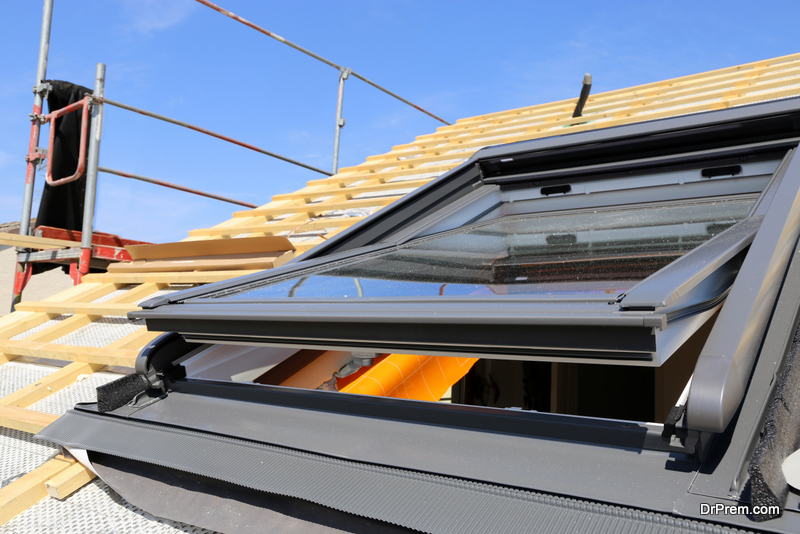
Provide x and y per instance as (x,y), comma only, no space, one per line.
(420,501)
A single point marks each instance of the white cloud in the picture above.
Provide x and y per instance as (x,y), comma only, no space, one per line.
(147,16)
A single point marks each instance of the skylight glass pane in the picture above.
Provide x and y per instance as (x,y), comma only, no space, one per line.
(587,253)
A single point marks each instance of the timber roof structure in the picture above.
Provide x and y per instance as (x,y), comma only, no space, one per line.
(86,327)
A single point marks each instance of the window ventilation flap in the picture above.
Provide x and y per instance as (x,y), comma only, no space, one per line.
(728,170)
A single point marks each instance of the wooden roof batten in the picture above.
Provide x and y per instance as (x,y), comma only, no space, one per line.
(325,207)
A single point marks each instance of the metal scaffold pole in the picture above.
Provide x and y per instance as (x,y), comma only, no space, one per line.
(23,272)
(95,131)
(343,75)
(38,101)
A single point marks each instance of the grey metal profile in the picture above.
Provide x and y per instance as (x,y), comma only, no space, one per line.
(726,361)
(679,277)
(530,328)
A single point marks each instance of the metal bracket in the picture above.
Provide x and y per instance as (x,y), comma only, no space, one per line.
(43,89)
(345,73)
(41,119)
(40,154)
(360,359)
(680,438)
(342,122)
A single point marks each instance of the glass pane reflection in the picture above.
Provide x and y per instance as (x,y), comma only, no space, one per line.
(589,253)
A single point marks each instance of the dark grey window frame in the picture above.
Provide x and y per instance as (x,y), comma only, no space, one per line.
(627,329)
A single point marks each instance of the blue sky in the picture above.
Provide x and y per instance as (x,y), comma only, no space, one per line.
(458,59)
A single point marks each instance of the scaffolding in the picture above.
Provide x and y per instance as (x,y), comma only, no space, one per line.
(92,246)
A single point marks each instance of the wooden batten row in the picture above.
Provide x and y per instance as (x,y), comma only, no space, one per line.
(40,243)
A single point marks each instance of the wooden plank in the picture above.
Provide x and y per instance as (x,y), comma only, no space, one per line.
(137,293)
(24,321)
(102,356)
(69,481)
(39,243)
(305,246)
(12,318)
(79,320)
(374,185)
(23,419)
(309,224)
(322,207)
(200,277)
(53,382)
(29,489)
(692,80)
(255,261)
(84,292)
(61,328)
(19,321)
(89,308)
(187,249)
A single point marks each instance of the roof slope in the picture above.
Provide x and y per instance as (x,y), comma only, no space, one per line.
(327,206)
(86,325)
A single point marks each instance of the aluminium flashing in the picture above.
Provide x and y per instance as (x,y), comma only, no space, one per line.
(522,450)
(418,500)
